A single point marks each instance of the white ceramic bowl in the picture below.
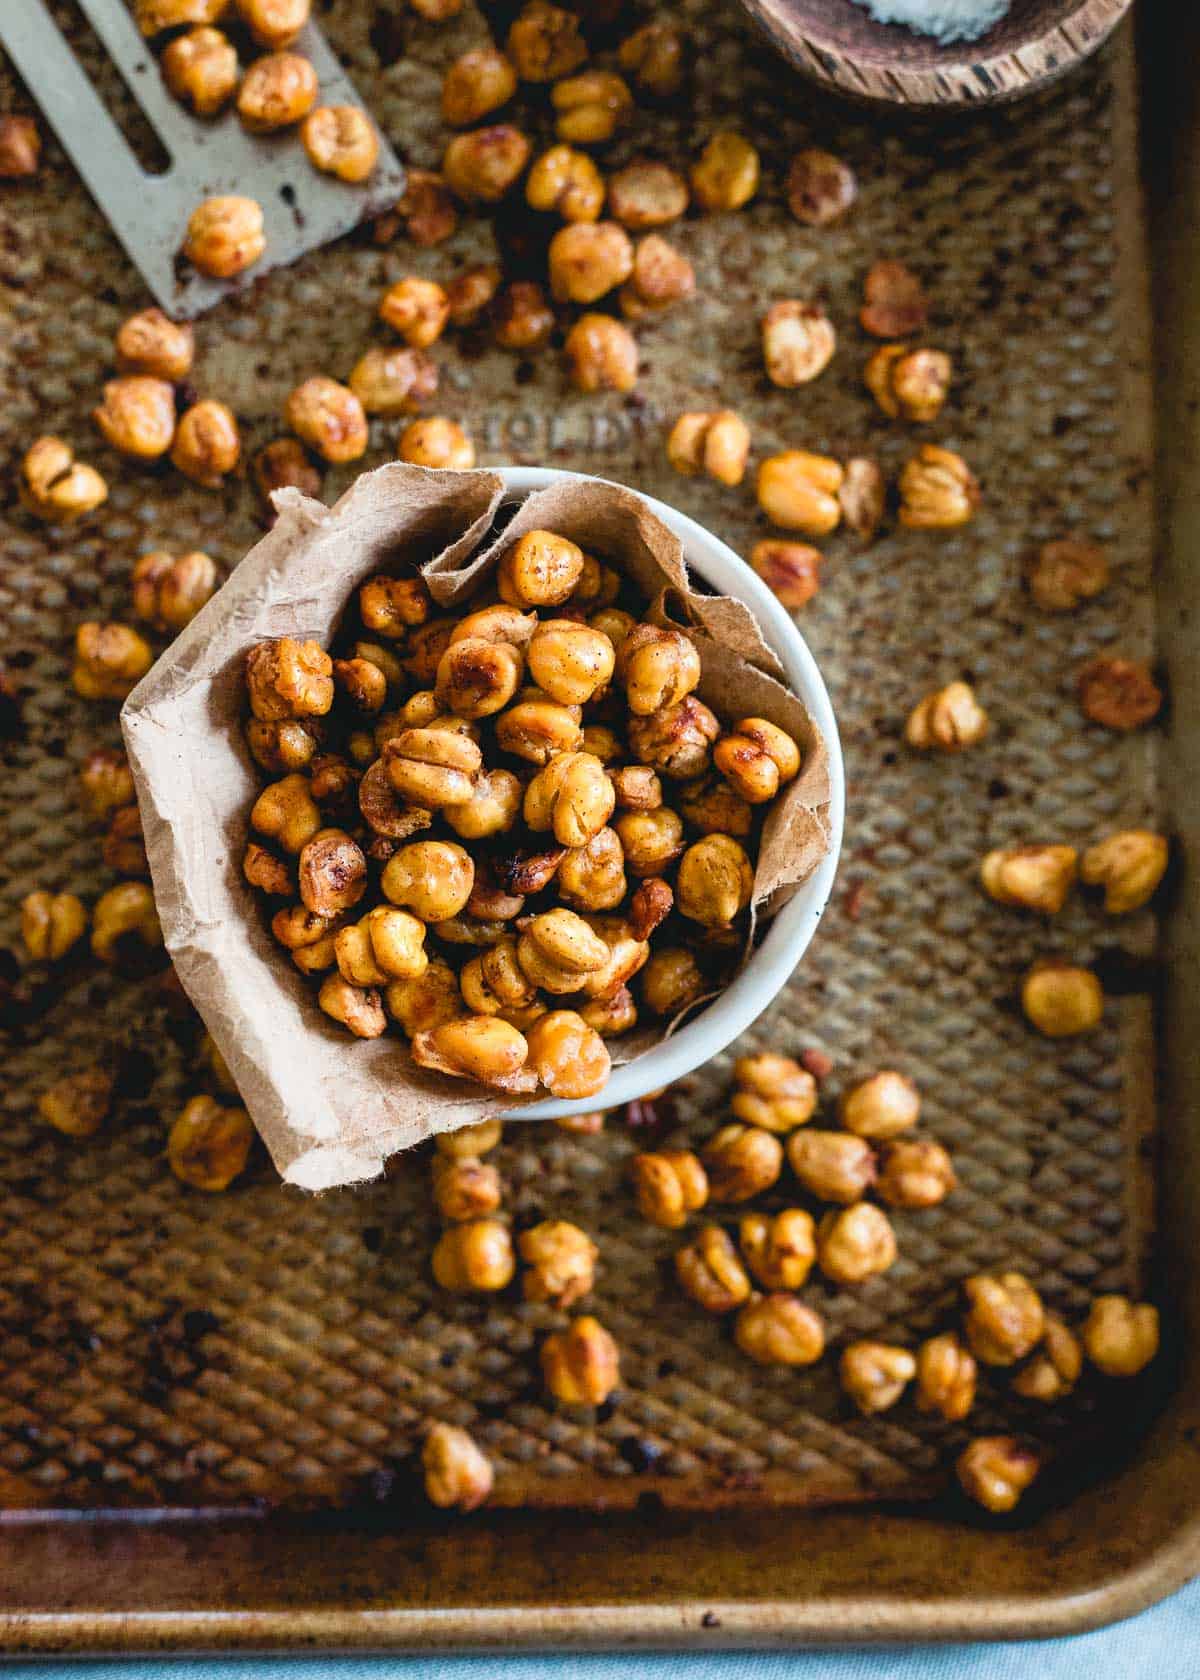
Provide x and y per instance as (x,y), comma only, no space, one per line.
(788,933)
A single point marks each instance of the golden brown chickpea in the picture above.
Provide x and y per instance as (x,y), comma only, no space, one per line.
(168,592)
(587,259)
(1120,1336)
(20,148)
(137,416)
(725,176)
(390,606)
(482,166)
(590,107)
(1128,865)
(1004,1319)
(915,1173)
(465,1188)
(909,384)
(273,23)
(855,1244)
(392,382)
(669,1185)
(569,1057)
(657,668)
(225,236)
(558,950)
(675,740)
(417,309)
(757,758)
(386,945)
(626,956)
(287,679)
(715,442)
(779,1248)
(710,805)
(545,43)
(277,90)
(774,1092)
(882,1106)
(436,11)
(357,1007)
(425,1001)
(153,16)
(602,354)
(105,782)
(78,1105)
(798,342)
(614,622)
(1061,1001)
(474,1257)
(948,720)
(875,1374)
(831,1165)
(653,55)
(201,69)
(671,982)
(647,195)
(741,1161)
(1065,573)
(715,881)
(52,923)
(479,1047)
(799,491)
(1033,877)
(566,181)
(593,876)
(207,443)
(208,1146)
(493,807)
(946,1376)
(286,813)
(540,570)
(651,840)
(1054,1369)
(636,786)
(580,1125)
(476,678)
(581,1364)
(470,293)
(894,305)
(612,1015)
(572,796)
(282,745)
(995,1470)
(110,660)
(328,417)
(522,319)
(124,849)
(820,188)
(295,927)
(779,1330)
(938,491)
(262,869)
(363,683)
(332,873)
(661,276)
(57,487)
(475,85)
(436,442)
(494,983)
(457,1474)
(1119,694)
(861,496)
(341,140)
(283,464)
(148,343)
(479,1139)
(710,1271)
(561,1260)
(432,878)
(433,767)
(570,661)
(605,744)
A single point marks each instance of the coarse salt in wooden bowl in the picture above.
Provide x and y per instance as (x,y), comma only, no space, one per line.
(840,44)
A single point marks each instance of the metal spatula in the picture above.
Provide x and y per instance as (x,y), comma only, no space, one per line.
(302,208)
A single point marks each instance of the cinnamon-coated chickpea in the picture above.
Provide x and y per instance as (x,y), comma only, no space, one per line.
(627,954)
(799,491)
(614,622)
(57,487)
(779,1329)
(592,877)
(124,849)
(710,805)
(207,443)
(328,417)
(168,591)
(425,1000)
(282,745)
(208,1146)
(105,782)
(1032,877)
(875,1374)
(915,1173)
(480,167)
(389,941)
(716,442)
(566,181)
(332,873)
(432,878)
(948,720)
(1055,1368)
(474,1257)
(773,1092)
(741,1161)
(436,442)
(908,384)
(274,23)
(831,1165)
(581,1365)
(341,140)
(587,259)
(1120,1336)
(661,276)
(715,881)
(262,869)
(494,983)
(417,309)
(603,743)
(653,55)
(883,1106)
(672,980)
(457,1473)
(710,1271)
(946,1377)
(544,42)
(798,342)
(790,570)
(465,1188)
(646,194)
(110,660)
(362,681)
(601,354)
(675,740)
(493,806)
(296,927)
(476,678)
(1062,1001)
(855,1243)
(389,380)
(569,1057)
(479,1139)
(820,187)
(1129,866)
(540,570)
(995,1470)
(938,491)
(1005,1317)
(522,319)
(278,89)
(757,758)
(479,1047)
(475,85)
(637,787)
(52,924)
(570,661)
(669,1184)
(225,236)
(725,176)
(287,813)
(201,69)
(284,464)
(122,916)
(657,668)
(651,840)
(433,767)
(572,796)
(137,416)
(288,679)
(558,950)
(79,1104)
(779,1248)
(590,107)
(561,1261)
(611,1015)
(538,729)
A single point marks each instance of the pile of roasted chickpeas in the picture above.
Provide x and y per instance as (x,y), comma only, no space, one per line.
(511,832)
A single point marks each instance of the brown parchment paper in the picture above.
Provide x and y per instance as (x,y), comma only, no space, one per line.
(330,1109)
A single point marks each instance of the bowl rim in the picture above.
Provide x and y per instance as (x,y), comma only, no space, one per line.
(790,932)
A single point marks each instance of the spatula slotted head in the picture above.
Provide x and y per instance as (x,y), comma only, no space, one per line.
(302,208)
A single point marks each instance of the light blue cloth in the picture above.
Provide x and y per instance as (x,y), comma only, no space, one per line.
(1163,1643)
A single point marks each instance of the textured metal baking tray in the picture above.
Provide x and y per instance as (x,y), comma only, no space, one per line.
(209,1406)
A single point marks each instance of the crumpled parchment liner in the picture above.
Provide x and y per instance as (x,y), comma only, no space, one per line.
(331,1109)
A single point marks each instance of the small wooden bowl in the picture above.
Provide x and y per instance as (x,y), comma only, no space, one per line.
(841,45)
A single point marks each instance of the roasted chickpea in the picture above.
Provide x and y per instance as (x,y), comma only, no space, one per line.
(558,951)
(475,85)
(105,782)
(1118,694)
(798,342)
(274,23)
(287,813)
(915,1173)
(1065,573)
(386,945)
(207,443)
(647,195)
(262,869)
(1004,1319)
(124,849)
(295,927)
(894,304)
(569,1057)
(636,786)
(332,873)
(289,679)
(948,720)
(651,904)
(774,1092)
(392,382)
(779,1248)
(669,1184)
(424,647)
(570,661)
(566,181)
(626,956)
(328,417)
(613,621)
(479,1139)
(544,42)
(710,1271)
(20,148)
(417,309)
(710,805)
(493,807)
(715,881)
(1120,1336)
(882,1106)
(363,683)
(587,259)
(572,796)
(612,1015)
(657,668)
(201,69)
(675,740)
(494,983)
(522,319)
(820,188)
(148,343)
(671,982)
(476,678)
(800,492)
(425,1001)
(995,1470)
(137,416)
(540,570)
(341,140)
(457,1473)
(1061,1001)
(277,90)
(225,236)
(831,1165)
(168,592)
(479,1047)
(861,496)
(433,767)
(661,276)
(426,212)
(208,1146)
(740,1161)
(593,876)
(78,1105)
(465,1188)
(875,1374)
(110,660)
(284,464)
(153,16)
(590,107)
(909,384)
(651,840)
(436,442)
(757,758)
(432,878)
(56,486)
(357,1007)
(602,355)
(938,491)
(716,443)
(1054,1369)
(653,55)
(725,176)
(855,1244)
(561,1260)
(52,923)
(581,1364)
(946,1376)
(470,293)
(1033,877)
(474,1257)
(778,1329)
(482,166)
(1128,865)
